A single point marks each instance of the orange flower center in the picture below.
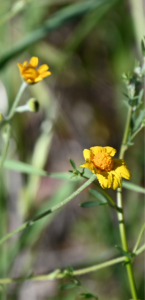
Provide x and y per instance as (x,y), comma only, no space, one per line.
(103,161)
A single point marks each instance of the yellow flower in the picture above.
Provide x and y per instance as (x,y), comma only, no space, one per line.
(108,170)
(30,73)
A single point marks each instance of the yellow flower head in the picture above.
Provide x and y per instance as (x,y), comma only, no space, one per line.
(29,72)
(108,170)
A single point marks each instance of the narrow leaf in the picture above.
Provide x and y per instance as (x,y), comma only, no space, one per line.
(133,187)
(92,204)
(67,286)
(124,252)
(72,163)
(23,168)
(88,296)
(143,47)
(98,195)
(139,119)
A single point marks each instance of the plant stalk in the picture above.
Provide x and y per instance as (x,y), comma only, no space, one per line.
(57,274)
(6,146)
(122,228)
(16,101)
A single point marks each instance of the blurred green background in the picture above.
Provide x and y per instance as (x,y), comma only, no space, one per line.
(87,45)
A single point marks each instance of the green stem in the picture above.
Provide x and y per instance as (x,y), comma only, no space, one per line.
(141,249)
(136,132)
(139,238)
(58,274)
(49,211)
(16,101)
(124,146)
(121,215)
(6,145)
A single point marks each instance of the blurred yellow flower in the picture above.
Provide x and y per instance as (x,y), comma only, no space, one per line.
(29,72)
(108,170)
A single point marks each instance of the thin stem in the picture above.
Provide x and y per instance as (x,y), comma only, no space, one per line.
(141,249)
(49,211)
(124,245)
(58,274)
(121,216)
(6,145)
(136,132)
(127,128)
(139,238)
(16,101)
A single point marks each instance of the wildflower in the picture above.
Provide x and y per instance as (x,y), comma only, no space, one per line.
(29,72)
(108,170)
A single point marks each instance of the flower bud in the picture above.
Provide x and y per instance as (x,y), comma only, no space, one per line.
(33,105)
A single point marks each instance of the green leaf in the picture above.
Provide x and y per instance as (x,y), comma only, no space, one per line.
(88,296)
(68,286)
(70,269)
(143,47)
(125,95)
(133,187)
(92,204)
(98,195)
(23,168)
(55,21)
(139,119)
(140,96)
(72,163)
(124,252)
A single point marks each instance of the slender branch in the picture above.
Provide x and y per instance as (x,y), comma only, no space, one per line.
(49,211)
(6,145)
(121,216)
(139,238)
(136,132)
(141,249)
(58,274)
(16,101)
(124,147)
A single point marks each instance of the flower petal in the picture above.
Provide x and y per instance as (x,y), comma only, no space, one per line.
(34,61)
(37,79)
(31,73)
(29,81)
(116,181)
(25,63)
(121,169)
(105,179)
(88,155)
(45,74)
(43,68)
(21,68)
(97,149)
(111,151)
(89,166)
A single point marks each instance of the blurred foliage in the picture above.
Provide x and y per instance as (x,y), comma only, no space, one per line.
(88,45)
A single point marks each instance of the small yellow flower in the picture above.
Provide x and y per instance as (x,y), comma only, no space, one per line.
(29,72)
(108,170)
